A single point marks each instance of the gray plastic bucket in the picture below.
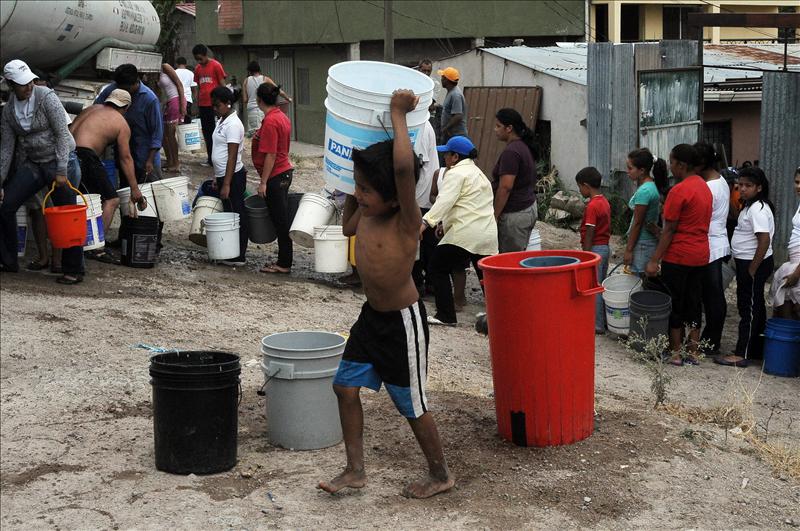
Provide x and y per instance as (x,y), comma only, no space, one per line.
(656,307)
(302,411)
(260,228)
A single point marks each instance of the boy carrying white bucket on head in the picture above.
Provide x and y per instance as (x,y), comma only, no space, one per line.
(388,344)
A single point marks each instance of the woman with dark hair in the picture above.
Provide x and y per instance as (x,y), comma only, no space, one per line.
(464,207)
(715,307)
(226,159)
(752,249)
(254,80)
(171,86)
(270,153)
(644,168)
(514,182)
(785,290)
(683,246)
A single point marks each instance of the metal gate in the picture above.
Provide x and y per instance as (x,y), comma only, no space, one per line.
(281,71)
(483,103)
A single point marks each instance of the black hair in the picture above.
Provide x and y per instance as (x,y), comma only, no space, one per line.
(756,176)
(376,164)
(253,67)
(797,171)
(589,176)
(223,94)
(510,117)
(471,155)
(687,154)
(657,168)
(268,93)
(181,61)
(200,49)
(126,75)
(425,61)
(708,156)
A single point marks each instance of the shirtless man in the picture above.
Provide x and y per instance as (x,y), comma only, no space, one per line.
(388,344)
(94,129)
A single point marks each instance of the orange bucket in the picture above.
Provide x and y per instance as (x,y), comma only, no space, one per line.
(66,225)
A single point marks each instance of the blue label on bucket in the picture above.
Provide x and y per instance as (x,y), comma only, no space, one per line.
(89,234)
(186,208)
(341,138)
(101,233)
(191,137)
(22,235)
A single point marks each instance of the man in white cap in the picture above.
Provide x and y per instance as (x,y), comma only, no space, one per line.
(33,127)
(94,129)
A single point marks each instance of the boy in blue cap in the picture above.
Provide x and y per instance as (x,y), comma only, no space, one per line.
(388,344)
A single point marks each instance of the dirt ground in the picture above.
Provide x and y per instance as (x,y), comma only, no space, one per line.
(76,437)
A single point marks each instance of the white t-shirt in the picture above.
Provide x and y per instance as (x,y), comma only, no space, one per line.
(794,239)
(425,147)
(753,219)
(187,78)
(24,111)
(717,230)
(228,131)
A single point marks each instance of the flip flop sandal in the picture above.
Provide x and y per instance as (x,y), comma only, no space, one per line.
(273,269)
(102,256)
(722,360)
(689,360)
(36,265)
(77,279)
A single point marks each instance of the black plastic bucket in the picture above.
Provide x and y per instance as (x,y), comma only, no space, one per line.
(655,307)
(139,241)
(195,411)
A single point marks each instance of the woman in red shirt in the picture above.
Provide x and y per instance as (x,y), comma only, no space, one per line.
(683,250)
(270,152)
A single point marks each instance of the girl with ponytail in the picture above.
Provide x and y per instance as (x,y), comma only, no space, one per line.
(646,207)
(514,182)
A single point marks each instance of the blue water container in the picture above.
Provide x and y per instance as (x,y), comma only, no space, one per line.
(782,347)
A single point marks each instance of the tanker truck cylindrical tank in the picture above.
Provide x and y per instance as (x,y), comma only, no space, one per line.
(47,34)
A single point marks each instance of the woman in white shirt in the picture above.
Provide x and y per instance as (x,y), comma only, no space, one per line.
(254,79)
(785,286)
(752,249)
(465,207)
(715,308)
(226,158)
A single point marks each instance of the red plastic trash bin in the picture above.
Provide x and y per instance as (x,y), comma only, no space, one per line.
(541,336)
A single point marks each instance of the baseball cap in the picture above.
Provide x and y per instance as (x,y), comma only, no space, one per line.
(18,72)
(458,144)
(450,73)
(119,97)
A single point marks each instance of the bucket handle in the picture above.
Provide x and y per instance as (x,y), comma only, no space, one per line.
(586,292)
(261,392)
(53,188)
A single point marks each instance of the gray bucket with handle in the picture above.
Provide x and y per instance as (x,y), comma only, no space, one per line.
(260,228)
(299,367)
(654,307)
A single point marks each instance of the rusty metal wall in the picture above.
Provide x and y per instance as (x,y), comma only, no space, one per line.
(780,150)
(483,103)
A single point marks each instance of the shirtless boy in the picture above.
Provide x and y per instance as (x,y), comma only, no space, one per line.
(94,129)
(388,344)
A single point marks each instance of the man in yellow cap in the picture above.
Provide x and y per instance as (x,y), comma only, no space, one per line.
(454,108)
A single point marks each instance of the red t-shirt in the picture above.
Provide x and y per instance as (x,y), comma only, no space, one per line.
(597,214)
(690,204)
(273,137)
(208,77)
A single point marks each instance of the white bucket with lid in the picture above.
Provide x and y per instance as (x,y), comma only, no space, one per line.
(22,230)
(126,207)
(617,298)
(95,232)
(189,137)
(330,249)
(222,235)
(314,211)
(172,198)
(205,206)
(358,105)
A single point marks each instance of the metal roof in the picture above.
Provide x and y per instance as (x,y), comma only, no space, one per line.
(568,61)
(187,7)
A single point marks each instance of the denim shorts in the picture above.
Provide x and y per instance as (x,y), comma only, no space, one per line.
(642,252)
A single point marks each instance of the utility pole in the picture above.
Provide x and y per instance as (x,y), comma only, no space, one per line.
(388,32)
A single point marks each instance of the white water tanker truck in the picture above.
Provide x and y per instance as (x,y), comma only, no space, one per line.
(79,43)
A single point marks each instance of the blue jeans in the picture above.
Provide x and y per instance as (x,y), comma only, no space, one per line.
(642,252)
(602,268)
(28,179)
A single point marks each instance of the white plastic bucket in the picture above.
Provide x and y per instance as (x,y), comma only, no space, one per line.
(330,249)
(314,211)
(125,205)
(617,297)
(205,206)
(222,235)
(534,241)
(172,198)
(189,137)
(359,95)
(22,230)
(95,232)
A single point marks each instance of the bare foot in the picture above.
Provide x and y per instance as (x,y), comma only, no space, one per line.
(428,487)
(348,478)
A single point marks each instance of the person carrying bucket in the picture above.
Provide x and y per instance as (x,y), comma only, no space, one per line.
(388,344)
(34,124)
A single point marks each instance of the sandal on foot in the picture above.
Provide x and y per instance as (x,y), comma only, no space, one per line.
(102,256)
(70,280)
(36,265)
(731,361)
(273,268)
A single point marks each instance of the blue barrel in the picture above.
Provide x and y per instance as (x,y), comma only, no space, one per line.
(111,171)
(782,347)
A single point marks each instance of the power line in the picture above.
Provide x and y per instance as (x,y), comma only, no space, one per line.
(573,18)
(731,11)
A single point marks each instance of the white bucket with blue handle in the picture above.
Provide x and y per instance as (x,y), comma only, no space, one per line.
(95,232)
(358,105)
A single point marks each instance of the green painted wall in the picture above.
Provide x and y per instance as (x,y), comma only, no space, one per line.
(310,119)
(275,22)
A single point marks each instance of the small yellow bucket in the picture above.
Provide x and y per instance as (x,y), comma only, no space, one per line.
(351,255)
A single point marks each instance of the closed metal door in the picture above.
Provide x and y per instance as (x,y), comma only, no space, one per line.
(281,71)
